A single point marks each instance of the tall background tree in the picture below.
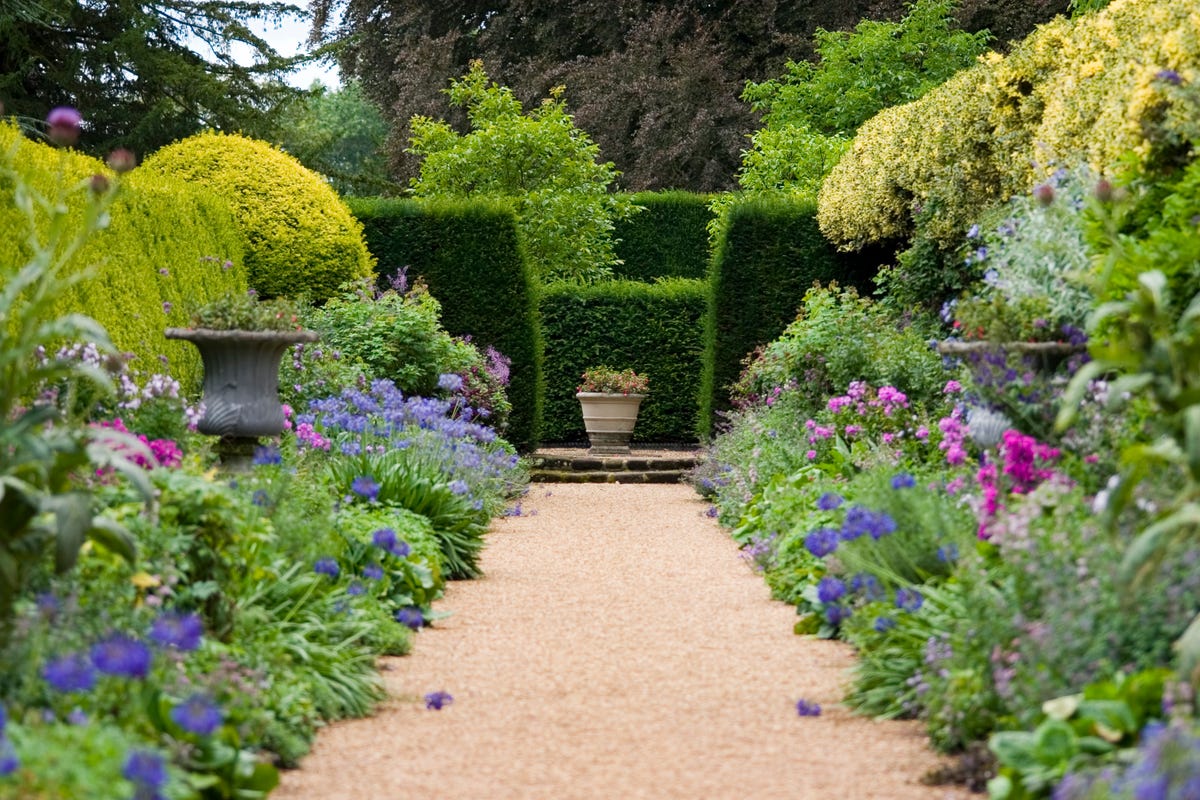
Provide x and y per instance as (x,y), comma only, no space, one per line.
(144,73)
(656,85)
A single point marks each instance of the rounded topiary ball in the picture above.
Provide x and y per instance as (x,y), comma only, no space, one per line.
(300,237)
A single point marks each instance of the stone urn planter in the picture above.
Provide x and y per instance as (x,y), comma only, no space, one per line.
(241,385)
(609,420)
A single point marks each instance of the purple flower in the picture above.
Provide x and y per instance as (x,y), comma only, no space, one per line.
(77,717)
(356,589)
(8,758)
(181,631)
(327,566)
(712,512)
(435,700)
(122,656)
(884,624)
(822,542)
(410,617)
(266,456)
(450,382)
(70,673)
(145,768)
(948,554)
(806,709)
(373,572)
(365,486)
(836,614)
(903,481)
(384,539)
(860,520)
(167,306)
(830,589)
(198,714)
(1170,76)
(459,487)
(829,501)
(64,123)
(909,600)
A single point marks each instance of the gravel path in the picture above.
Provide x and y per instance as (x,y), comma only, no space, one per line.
(616,648)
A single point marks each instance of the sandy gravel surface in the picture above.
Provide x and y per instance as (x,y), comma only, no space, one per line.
(618,647)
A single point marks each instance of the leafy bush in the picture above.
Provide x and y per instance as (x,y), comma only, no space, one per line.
(539,162)
(654,329)
(1085,90)
(300,239)
(469,255)
(814,357)
(809,113)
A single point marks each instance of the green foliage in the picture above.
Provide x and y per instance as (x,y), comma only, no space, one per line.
(165,245)
(809,113)
(145,75)
(654,329)
(1088,90)
(243,311)
(539,162)
(815,358)
(339,134)
(469,255)
(769,252)
(300,238)
(666,239)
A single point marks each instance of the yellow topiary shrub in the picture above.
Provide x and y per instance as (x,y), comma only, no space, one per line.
(300,237)
(167,246)
(1090,89)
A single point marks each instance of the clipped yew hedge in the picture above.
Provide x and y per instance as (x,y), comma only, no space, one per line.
(768,253)
(668,238)
(167,246)
(469,254)
(653,328)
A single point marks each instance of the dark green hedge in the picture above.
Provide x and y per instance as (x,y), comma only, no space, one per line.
(654,329)
(768,253)
(469,255)
(668,239)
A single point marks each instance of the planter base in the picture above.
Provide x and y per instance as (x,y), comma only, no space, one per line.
(236,453)
(609,421)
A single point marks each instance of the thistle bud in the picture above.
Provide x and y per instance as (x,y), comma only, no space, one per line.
(64,123)
(99,184)
(1044,193)
(1104,191)
(121,160)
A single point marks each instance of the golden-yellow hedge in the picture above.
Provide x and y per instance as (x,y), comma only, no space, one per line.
(1089,89)
(167,247)
(300,237)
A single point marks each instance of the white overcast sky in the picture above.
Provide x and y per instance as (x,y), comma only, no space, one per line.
(291,36)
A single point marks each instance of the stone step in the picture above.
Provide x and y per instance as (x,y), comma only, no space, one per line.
(577,465)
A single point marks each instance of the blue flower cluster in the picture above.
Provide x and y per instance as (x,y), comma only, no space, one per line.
(8,756)
(147,771)
(122,656)
(807,709)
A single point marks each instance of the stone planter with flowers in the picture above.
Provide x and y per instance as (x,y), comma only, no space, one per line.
(610,400)
(241,342)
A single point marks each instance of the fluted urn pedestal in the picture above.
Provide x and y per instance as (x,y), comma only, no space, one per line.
(241,385)
(609,420)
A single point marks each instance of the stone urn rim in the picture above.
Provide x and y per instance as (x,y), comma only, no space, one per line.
(611,394)
(240,334)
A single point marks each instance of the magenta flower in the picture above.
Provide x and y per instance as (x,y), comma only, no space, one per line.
(64,123)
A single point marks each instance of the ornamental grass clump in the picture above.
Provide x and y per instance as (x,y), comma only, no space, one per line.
(606,380)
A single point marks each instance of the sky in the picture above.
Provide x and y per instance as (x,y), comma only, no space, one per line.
(287,39)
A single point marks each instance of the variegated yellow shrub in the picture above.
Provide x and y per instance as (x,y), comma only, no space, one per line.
(166,247)
(1091,89)
(300,237)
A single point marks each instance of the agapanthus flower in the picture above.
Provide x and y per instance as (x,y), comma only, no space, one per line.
(9,763)
(373,572)
(266,456)
(122,656)
(70,673)
(830,589)
(146,769)
(365,486)
(450,382)
(903,481)
(909,600)
(829,501)
(356,589)
(434,701)
(884,624)
(821,542)
(198,714)
(410,617)
(327,566)
(807,709)
(181,631)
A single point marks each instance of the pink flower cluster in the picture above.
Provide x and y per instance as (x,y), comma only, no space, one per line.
(954,435)
(165,451)
(1025,465)
(307,434)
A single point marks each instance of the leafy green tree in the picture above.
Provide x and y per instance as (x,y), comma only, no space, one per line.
(143,73)
(339,134)
(539,161)
(812,111)
(656,84)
